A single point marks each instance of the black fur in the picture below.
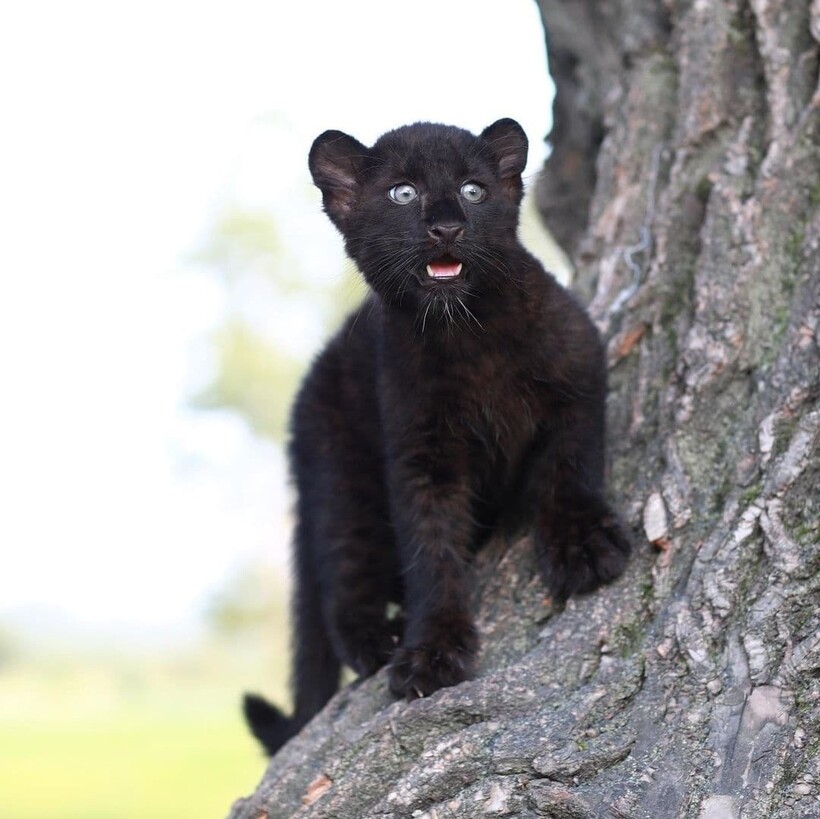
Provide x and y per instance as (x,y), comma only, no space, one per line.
(442,410)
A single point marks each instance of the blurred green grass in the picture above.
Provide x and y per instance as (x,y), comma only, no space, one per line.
(130,765)
(120,734)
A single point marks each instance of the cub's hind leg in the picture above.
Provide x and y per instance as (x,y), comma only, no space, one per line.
(339,477)
(344,561)
(357,570)
(344,577)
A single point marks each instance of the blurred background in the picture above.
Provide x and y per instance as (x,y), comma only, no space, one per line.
(167,276)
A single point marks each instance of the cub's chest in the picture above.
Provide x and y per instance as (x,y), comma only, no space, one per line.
(487,400)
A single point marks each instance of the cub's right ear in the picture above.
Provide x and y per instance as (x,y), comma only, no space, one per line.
(336,161)
(508,145)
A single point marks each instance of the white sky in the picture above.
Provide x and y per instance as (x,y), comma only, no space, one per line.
(126,127)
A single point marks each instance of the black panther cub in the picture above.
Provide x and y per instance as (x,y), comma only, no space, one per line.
(465,395)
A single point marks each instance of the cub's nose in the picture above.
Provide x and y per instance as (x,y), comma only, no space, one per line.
(446,232)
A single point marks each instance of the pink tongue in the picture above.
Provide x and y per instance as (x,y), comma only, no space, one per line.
(443,270)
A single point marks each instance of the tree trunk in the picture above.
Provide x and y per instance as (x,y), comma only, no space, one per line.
(685,178)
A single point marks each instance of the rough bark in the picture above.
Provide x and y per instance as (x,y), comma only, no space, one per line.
(691,687)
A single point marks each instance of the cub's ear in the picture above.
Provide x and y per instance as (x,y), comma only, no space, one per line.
(508,145)
(336,161)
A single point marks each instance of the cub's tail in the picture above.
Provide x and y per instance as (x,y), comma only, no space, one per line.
(316,666)
(267,723)
(315,673)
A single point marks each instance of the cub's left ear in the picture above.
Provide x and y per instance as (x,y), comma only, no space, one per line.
(336,161)
(508,145)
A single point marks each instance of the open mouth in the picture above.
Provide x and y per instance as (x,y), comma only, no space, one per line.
(444,268)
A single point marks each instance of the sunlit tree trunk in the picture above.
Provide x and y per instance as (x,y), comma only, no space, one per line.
(685,181)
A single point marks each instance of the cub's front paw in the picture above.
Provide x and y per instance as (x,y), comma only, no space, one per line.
(579,554)
(419,670)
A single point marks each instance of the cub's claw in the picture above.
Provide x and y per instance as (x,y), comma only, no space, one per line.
(418,671)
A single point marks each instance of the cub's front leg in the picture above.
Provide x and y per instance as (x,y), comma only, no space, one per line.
(430,509)
(581,543)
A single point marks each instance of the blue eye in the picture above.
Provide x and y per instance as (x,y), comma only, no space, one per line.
(403,194)
(473,192)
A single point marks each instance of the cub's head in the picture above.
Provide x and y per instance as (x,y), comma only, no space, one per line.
(429,211)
